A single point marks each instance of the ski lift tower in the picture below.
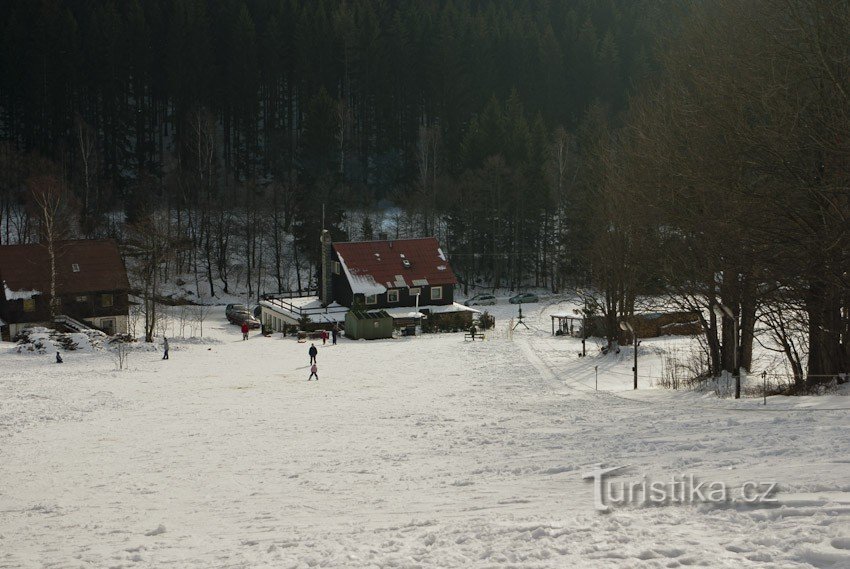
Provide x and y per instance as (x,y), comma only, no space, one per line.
(519,319)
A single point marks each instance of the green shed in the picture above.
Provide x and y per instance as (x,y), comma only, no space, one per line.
(368,325)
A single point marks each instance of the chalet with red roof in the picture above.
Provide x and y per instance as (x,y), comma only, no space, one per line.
(386,274)
(91,285)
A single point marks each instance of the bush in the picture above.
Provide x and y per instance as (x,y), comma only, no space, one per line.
(486,321)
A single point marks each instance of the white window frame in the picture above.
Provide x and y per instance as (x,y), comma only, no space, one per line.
(393,293)
(75,267)
(373,297)
(337,267)
(414,291)
(439,293)
(82,298)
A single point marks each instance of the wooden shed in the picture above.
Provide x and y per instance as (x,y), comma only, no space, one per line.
(368,325)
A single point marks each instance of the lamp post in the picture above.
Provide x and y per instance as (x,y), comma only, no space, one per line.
(626,327)
(726,312)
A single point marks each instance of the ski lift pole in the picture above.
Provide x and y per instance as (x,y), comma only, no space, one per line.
(764,386)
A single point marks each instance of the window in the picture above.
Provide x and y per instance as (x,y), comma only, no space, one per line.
(372,299)
(29,305)
(406,263)
(82,298)
(75,267)
(415,291)
(337,267)
(106,300)
(436,293)
(392,296)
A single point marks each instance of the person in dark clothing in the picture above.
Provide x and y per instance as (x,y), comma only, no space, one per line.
(313,352)
(58,358)
(164,348)
(334,332)
(313,373)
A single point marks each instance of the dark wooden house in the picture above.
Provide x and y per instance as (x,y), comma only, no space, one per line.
(91,285)
(386,274)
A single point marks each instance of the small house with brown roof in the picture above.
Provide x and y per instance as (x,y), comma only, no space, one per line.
(91,285)
(389,274)
(385,275)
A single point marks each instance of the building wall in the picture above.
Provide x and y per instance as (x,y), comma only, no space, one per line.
(405,299)
(90,308)
(83,306)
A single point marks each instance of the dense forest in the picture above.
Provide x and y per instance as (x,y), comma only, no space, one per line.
(685,150)
(317,103)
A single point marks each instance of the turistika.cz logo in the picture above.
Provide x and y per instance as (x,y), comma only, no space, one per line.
(680,489)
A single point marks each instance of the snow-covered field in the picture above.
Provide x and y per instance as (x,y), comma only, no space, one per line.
(416,452)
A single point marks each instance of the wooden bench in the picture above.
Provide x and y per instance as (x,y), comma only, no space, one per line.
(474,337)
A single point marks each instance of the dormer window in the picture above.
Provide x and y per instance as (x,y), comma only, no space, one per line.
(75,267)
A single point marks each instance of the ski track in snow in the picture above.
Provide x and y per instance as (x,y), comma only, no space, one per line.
(428,452)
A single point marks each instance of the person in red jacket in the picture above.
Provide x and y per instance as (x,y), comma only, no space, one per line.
(245,330)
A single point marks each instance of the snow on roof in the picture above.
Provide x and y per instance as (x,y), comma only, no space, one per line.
(448,308)
(361,283)
(399,314)
(22,294)
(292,309)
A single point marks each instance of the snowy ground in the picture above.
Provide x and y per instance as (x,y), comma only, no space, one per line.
(417,452)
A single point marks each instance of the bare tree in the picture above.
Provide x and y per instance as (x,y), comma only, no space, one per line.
(50,201)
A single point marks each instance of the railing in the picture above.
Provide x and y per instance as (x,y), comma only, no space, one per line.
(300,310)
(75,325)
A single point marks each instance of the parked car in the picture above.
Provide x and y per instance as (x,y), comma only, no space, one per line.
(523,298)
(238,317)
(234,308)
(481,299)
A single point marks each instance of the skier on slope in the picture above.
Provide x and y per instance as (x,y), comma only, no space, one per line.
(313,373)
(313,352)
(245,330)
(334,333)
(164,348)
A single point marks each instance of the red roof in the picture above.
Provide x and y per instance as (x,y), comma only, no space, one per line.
(396,263)
(81,266)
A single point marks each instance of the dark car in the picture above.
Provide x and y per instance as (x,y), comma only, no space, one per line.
(524,297)
(238,317)
(481,299)
(230,308)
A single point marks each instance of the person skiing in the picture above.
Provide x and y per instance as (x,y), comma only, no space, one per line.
(245,330)
(313,373)
(313,352)
(164,348)
(334,333)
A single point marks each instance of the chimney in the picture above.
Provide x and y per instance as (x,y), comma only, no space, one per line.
(326,290)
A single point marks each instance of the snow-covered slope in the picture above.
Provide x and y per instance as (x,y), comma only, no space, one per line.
(414,452)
